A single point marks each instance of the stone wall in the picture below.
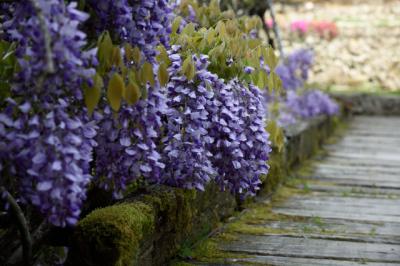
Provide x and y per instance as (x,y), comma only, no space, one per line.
(369,104)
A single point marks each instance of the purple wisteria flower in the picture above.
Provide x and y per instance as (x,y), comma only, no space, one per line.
(310,104)
(185,153)
(216,131)
(46,139)
(129,143)
(242,146)
(142,23)
(293,71)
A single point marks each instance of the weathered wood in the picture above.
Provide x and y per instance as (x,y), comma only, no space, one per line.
(360,162)
(337,189)
(358,182)
(351,168)
(314,248)
(339,227)
(349,213)
(379,156)
(355,173)
(289,261)
(327,214)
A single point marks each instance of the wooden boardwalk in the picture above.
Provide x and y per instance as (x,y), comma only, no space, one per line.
(348,212)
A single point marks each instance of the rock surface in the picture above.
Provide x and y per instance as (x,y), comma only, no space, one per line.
(365,54)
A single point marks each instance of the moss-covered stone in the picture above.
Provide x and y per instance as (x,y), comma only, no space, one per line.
(151,228)
(111,235)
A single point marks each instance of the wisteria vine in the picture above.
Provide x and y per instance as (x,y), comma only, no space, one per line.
(186,128)
(46,136)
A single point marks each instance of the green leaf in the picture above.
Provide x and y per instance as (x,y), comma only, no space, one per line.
(188,68)
(175,24)
(262,79)
(117,58)
(274,82)
(188,29)
(270,58)
(136,55)
(92,95)
(221,29)
(115,91)
(162,57)
(210,36)
(147,73)
(105,50)
(163,76)
(128,52)
(132,93)
(276,135)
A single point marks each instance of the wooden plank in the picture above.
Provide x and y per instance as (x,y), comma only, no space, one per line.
(359,162)
(295,261)
(372,181)
(378,140)
(314,248)
(362,148)
(353,190)
(366,132)
(374,176)
(359,182)
(378,156)
(354,167)
(344,208)
(338,215)
(389,204)
(381,158)
(340,227)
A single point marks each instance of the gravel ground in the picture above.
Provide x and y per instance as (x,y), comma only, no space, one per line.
(366,52)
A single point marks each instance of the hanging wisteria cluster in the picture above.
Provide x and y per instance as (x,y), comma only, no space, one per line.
(299,102)
(46,138)
(154,113)
(294,69)
(311,103)
(142,23)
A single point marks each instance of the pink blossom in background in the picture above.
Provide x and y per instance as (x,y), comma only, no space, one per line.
(325,29)
(299,26)
(269,23)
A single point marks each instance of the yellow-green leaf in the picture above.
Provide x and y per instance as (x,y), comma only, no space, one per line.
(188,68)
(136,55)
(262,79)
(175,24)
(221,28)
(147,73)
(117,58)
(276,135)
(128,52)
(132,93)
(163,76)
(210,36)
(105,50)
(270,58)
(115,91)
(92,95)
(188,29)
(163,55)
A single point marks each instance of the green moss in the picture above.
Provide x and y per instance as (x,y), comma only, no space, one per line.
(208,251)
(111,235)
(276,173)
(180,263)
(244,228)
